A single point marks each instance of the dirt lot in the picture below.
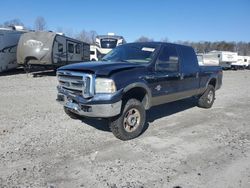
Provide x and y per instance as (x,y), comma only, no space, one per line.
(184,146)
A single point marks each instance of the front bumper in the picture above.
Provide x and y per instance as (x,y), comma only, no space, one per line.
(90,110)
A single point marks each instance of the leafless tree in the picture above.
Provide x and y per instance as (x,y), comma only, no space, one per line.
(88,37)
(93,35)
(83,36)
(12,23)
(40,23)
(144,39)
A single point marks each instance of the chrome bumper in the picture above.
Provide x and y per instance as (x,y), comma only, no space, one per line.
(96,110)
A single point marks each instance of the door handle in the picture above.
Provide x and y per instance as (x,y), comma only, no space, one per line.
(197,75)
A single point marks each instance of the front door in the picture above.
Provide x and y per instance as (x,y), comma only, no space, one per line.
(165,81)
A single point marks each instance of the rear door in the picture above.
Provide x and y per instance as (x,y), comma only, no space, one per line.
(70,51)
(190,72)
(59,50)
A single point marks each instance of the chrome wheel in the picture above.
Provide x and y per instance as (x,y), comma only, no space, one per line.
(132,120)
(210,97)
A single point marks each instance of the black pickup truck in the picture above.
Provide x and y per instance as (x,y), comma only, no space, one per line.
(132,78)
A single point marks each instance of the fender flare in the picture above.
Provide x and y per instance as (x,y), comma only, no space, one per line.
(143,86)
(212,77)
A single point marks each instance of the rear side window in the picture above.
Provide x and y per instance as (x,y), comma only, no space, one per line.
(168,59)
(70,48)
(189,62)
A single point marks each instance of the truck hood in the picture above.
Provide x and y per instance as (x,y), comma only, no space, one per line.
(101,68)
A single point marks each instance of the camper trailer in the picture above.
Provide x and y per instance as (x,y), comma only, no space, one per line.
(225,58)
(208,59)
(247,61)
(105,43)
(93,53)
(9,38)
(50,49)
(241,63)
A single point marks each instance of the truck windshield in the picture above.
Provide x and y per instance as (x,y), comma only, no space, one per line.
(132,53)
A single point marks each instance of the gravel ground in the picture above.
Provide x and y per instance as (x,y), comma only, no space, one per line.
(183,146)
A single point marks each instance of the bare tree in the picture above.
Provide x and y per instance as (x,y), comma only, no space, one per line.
(40,23)
(144,39)
(88,37)
(83,36)
(93,35)
(12,23)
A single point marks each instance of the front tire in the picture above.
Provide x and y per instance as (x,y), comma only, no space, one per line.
(130,123)
(206,100)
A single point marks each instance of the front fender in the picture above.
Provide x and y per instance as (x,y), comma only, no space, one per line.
(143,86)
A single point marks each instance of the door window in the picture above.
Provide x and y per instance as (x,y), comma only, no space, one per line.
(168,60)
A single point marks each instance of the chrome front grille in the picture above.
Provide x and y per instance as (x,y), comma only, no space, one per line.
(76,83)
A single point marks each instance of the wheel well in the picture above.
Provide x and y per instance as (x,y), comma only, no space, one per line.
(27,59)
(212,82)
(137,93)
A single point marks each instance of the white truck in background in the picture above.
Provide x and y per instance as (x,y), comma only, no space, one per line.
(9,38)
(226,58)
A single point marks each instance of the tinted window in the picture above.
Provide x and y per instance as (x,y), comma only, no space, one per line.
(168,59)
(77,48)
(70,48)
(108,43)
(60,47)
(189,62)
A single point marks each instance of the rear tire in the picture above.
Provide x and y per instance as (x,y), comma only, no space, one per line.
(130,123)
(206,100)
(71,114)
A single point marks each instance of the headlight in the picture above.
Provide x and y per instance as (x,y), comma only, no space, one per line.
(104,85)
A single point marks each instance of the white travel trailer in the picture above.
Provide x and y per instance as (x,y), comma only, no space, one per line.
(247,61)
(93,53)
(9,38)
(208,59)
(105,43)
(225,58)
(241,63)
(50,49)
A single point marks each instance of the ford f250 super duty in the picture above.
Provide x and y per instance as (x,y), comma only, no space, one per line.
(132,78)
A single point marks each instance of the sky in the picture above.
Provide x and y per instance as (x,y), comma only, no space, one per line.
(186,20)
